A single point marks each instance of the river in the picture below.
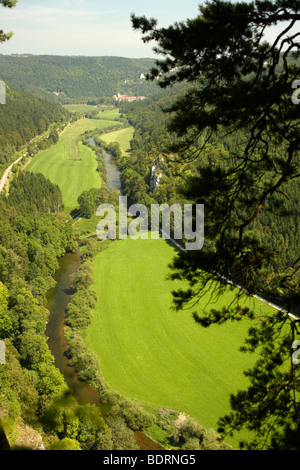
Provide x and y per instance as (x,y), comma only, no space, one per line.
(57,301)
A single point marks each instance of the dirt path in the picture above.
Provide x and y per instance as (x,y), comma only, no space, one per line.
(7,172)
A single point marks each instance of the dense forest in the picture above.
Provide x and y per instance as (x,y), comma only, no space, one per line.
(77,79)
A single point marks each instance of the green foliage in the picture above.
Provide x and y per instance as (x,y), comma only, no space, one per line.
(77,79)
(135,415)
(240,96)
(10,4)
(30,243)
(5,319)
(150,153)
(66,444)
(18,395)
(80,307)
(34,193)
(114,149)
(121,435)
(83,278)
(78,427)
(24,117)
(89,201)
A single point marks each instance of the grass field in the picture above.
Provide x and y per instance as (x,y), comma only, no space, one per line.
(109,114)
(123,136)
(81,108)
(152,354)
(69,163)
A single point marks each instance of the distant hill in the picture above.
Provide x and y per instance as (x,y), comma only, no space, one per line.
(77,79)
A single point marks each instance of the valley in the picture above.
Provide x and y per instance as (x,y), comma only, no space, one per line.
(136,344)
(147,352)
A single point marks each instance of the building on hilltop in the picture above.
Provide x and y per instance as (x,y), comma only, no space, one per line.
(124,98)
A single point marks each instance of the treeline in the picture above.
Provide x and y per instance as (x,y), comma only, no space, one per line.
(77,79)
(23,117)
(25,194)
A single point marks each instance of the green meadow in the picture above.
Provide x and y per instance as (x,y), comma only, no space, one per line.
(70,164)
(109,114)
(123,136)
(81,108)
(154,355)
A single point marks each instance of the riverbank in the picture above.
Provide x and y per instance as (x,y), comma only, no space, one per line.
(58,301)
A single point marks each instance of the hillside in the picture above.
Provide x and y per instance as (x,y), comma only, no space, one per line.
(77,79)
(22,118)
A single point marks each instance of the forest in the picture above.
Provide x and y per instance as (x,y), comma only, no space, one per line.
(77,79)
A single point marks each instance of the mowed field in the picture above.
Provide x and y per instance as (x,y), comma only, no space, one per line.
(87,108)
(154,355)
(70,164)
(123,136)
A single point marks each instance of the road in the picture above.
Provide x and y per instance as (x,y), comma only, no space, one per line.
(6,173)
(276,307)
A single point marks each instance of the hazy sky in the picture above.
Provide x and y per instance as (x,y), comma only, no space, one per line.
(86,27)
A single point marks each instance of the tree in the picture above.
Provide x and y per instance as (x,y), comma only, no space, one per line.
(6,3)
(5,320)
(83,278)
(241,88)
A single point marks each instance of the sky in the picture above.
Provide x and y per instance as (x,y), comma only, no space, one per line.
(89,27)
(86,27)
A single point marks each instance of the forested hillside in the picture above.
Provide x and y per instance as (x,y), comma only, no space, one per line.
(29,248)
(23,117)
(77,79)
(152,159)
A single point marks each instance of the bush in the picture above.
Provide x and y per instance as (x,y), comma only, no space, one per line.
(135,416)
(122,436)
(66,444)
(83,278)
(85,362)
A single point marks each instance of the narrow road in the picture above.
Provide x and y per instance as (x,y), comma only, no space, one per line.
(6,173)
(276,307)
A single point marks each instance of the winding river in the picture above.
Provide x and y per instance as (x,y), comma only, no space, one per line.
(57,301)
